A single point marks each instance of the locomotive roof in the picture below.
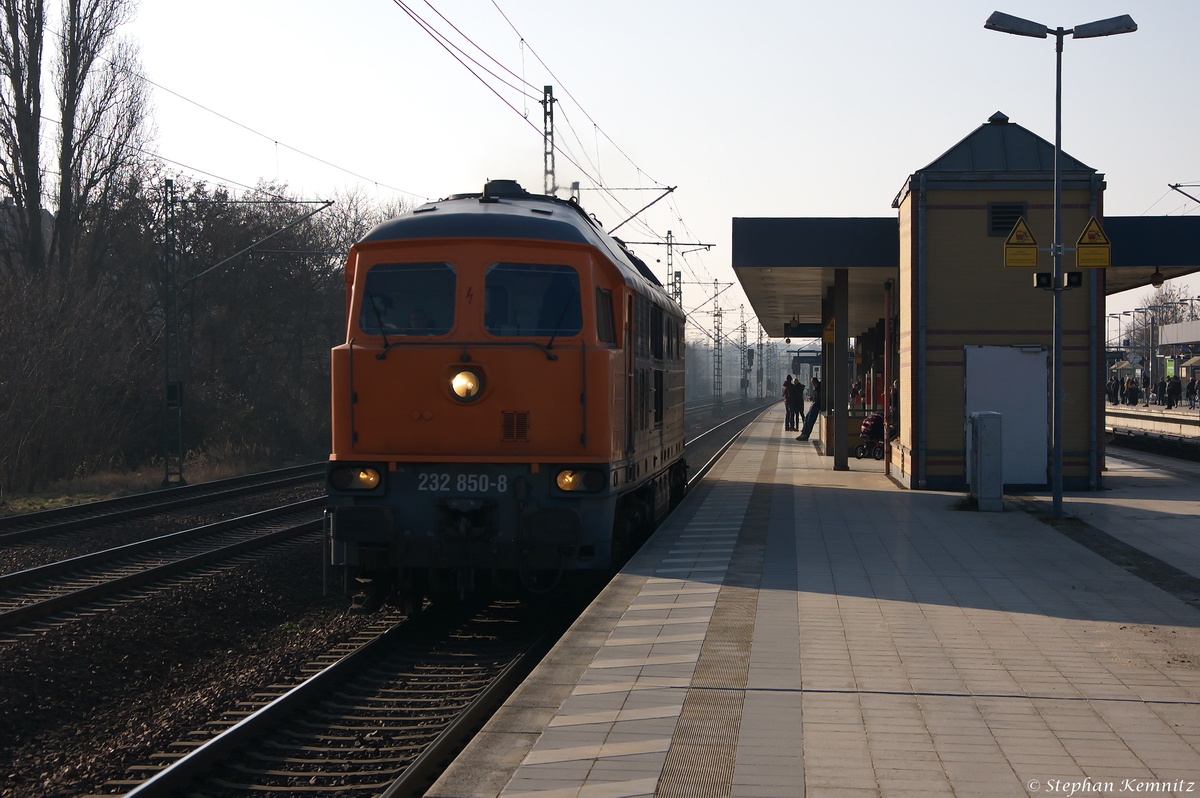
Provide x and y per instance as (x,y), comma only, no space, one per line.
(505,210)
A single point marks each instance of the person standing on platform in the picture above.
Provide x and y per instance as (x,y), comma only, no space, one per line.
(1174,392)
(797,404)
(1190,392)
(1160,392)
(810,418)
(789,404)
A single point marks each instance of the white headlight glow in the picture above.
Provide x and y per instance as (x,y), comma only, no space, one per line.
(466,384)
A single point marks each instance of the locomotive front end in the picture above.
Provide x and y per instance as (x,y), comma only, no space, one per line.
(472,422)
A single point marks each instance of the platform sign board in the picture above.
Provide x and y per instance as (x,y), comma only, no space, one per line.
(1020,248)
(1093,251)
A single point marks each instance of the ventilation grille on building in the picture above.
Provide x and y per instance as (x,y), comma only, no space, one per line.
(1003,215)
(514,425)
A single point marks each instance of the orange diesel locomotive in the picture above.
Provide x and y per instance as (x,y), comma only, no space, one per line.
(508,405)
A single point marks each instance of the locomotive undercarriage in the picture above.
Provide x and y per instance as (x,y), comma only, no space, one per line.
(399,545)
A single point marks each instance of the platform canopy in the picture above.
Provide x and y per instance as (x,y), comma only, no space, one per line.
(1184,332)
(786,266)
(1142,245)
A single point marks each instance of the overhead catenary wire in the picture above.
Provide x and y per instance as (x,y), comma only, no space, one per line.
(139,76)
(451,47)
(439,38)
(445,42)
(567,91)
(499,87)
(485,52)
(225,181)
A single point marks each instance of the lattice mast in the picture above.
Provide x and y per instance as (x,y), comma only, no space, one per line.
(743,359)
(173,388)
(718,339)
(549,184)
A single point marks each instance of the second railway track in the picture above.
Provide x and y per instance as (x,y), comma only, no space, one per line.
(30,526)
(36,592)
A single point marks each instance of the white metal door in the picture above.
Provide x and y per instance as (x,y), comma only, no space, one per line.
(1013,381)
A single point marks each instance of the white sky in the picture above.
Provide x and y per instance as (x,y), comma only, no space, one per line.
(752,109)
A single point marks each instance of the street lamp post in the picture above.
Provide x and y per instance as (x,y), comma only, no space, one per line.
(1006,23)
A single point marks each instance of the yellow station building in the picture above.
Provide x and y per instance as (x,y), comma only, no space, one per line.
(967,333)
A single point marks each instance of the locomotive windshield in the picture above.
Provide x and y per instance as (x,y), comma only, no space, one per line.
(532,299)
(408,299)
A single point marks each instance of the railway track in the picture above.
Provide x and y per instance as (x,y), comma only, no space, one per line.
(376,720)
(30,526)
(80,582)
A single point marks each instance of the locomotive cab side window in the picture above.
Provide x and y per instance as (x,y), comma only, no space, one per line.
(408,299)
(532,299)
(605,328)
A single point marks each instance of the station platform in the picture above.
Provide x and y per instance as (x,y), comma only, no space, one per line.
(1180,422)
(794,631)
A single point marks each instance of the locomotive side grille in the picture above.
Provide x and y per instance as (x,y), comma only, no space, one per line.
(514,425)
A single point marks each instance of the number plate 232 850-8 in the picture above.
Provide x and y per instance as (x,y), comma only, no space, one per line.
(462,483)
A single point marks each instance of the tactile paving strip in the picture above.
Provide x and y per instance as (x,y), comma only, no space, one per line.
(700,762)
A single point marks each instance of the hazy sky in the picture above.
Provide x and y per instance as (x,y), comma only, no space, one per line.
(751,108)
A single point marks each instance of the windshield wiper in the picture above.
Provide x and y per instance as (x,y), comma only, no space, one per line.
(379,321)
(561,316)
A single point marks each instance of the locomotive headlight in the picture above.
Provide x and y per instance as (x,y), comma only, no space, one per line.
(581,480)
(466,384)
(354,478)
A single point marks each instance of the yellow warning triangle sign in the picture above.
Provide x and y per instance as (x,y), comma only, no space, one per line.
(1020,248)
(1020,235)
(1093,235)
(1092,251)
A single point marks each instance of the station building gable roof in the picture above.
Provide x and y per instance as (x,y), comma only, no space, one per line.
(1002,146)
(1001,155)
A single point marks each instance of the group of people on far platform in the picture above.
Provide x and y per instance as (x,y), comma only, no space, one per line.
(793,401)
(1168,391)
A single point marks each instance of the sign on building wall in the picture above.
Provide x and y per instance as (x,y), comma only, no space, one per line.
(1093,251)
(1020,248)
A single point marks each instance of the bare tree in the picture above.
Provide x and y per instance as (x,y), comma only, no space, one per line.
(21,39)
(1167,304)
(102,106)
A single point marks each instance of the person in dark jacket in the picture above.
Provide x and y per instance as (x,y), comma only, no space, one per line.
(1174,392)
(810,418)
(789,404)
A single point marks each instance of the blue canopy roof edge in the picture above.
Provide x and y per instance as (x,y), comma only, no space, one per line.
(1154,240)
(816,242)
(1144,245)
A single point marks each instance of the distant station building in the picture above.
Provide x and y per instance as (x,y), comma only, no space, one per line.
(934,311)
